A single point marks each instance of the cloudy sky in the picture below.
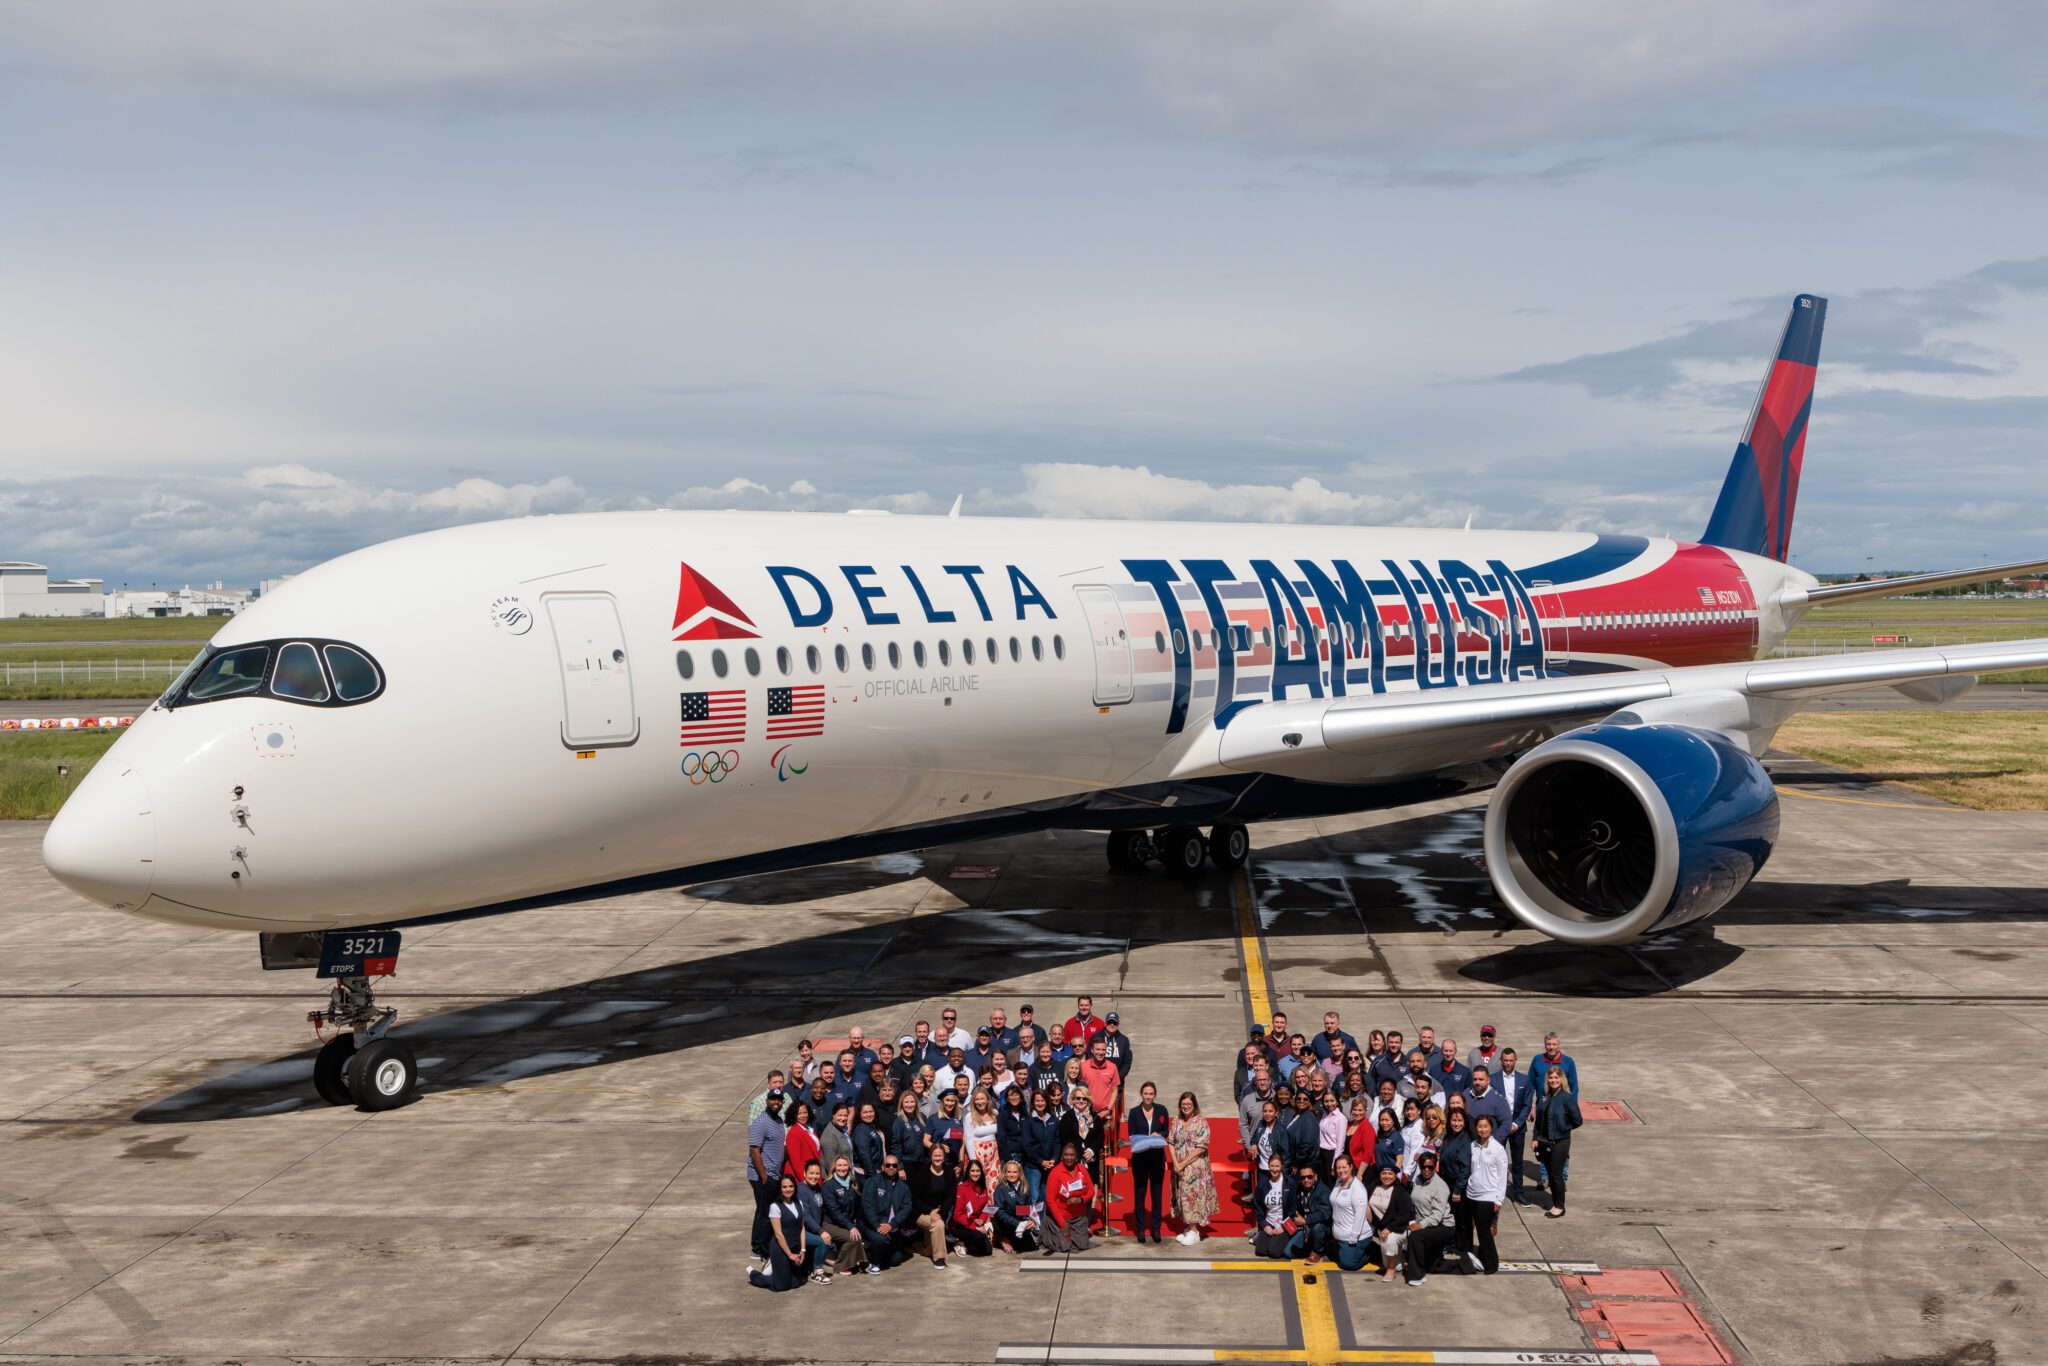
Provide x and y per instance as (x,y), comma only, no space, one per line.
(279,281)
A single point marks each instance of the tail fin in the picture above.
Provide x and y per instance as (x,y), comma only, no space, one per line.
(1762,488)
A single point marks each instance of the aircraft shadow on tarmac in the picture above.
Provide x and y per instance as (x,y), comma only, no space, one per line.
(1419,879)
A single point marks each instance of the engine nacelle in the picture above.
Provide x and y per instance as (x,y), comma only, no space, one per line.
(1614,832)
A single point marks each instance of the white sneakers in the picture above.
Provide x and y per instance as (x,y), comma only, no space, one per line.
(1188,1237)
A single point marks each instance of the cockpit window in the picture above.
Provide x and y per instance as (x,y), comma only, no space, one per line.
(230,673)
(298,675)
(318,673)
(355,677)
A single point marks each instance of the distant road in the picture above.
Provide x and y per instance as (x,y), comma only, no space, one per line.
(61,707)
(1989,697)
(60,644)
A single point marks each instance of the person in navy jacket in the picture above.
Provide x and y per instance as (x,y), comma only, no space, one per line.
(885,1219)
(1041,1143)
(1275,1202)
(1147,1119)
(1516,1090)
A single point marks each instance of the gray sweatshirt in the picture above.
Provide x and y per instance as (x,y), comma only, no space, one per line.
(1432,1201)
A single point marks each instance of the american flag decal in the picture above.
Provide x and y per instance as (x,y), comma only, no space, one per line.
(1707,597)
(715,718)
(796,712)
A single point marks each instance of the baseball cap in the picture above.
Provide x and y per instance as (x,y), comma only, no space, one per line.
(774,1096)
(984,1033)
(1111,1018)
(1485,1030)
(1259,1030)
(1026,1010)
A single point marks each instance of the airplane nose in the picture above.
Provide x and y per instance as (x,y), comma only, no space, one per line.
(103,843)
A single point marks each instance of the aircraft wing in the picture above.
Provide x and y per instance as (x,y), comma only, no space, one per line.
(1385,737)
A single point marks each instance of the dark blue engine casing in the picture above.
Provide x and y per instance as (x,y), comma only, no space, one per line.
(1610,833)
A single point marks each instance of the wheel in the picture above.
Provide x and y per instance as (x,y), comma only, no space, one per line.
(330,1069)
(383,1075)
(1127,850)
(1182,849)
(1230,844)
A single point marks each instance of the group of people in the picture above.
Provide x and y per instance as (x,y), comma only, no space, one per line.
(949,1141)
(1391,1157)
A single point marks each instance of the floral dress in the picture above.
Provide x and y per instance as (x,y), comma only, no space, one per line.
(1194,1189)
(981,1146)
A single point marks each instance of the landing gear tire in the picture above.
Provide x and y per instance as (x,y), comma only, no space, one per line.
(330,1069)
(1128,850)
(1230,844)
(1182,850)
(383,1075)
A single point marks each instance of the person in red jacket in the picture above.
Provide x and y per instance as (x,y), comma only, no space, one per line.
(1083,1024)
(1069,1195)
(974,1212)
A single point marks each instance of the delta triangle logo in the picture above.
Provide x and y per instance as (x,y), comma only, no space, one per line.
(704,612)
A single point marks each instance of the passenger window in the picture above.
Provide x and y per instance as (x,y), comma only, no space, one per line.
(895,655)
(718,665)
(839,657)
(1180,643)
(867,657)
(684,664)
(1016,650)
(753,662)
(1159,641)
(993,653)
(1059,647)
(1037,648)
(782,660)
(917,652)
(945,654)
(355,677)
(230,674)
(967,651)
(812,659)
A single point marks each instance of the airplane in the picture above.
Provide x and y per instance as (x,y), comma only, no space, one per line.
(526,713)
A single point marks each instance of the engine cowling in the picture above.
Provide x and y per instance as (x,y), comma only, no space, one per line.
(1610,833)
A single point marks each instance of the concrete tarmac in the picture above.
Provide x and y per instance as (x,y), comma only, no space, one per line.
(1830,1134)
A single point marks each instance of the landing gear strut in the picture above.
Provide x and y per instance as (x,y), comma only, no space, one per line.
(362,1066)
(1181,849)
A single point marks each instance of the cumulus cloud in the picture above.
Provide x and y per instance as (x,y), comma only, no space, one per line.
(1137,492)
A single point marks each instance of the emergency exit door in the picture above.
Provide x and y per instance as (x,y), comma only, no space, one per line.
(597,677)
(1112,645)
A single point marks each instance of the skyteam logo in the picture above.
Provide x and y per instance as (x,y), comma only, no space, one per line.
(704,612)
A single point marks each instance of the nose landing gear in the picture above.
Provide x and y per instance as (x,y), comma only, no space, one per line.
(1181,849)
(362,1066)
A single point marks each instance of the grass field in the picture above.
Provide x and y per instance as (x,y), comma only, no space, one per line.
(108,628)
(1933,622)
(30,788)
(1990,760)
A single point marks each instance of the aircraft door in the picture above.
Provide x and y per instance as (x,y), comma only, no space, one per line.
(597,677)
(1113,681)
(1557,639)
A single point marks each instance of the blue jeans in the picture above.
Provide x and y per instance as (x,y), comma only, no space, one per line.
(1351,1256)
(1306,1240)
(1034,1177)
(814,1252)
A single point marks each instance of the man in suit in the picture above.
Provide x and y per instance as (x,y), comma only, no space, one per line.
(1515,1090)
(1147,1120)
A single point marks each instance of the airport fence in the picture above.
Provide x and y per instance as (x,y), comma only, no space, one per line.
(142,671)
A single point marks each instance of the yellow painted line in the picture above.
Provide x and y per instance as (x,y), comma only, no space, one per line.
(1248,944)
(1861,801)
(1319,1341)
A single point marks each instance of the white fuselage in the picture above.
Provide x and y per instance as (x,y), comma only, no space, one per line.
(534,733)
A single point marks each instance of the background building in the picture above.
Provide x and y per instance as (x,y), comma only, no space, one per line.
(213,600)
(27,590)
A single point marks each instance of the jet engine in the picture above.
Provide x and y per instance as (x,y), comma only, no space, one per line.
(1614,832)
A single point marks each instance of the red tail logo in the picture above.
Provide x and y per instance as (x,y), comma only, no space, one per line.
(703,612)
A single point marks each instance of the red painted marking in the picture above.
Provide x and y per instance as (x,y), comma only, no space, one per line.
(1674,1330)
(380,967)
(1643,1283)
(1605,1112)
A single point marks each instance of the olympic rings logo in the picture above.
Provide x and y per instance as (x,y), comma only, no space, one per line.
(709,766)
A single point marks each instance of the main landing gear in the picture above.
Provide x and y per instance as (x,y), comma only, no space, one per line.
(1181,849)
(362,1066)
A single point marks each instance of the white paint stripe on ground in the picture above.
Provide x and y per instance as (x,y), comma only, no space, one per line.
(1424,1356)
(1245,1264)
(1127,1264)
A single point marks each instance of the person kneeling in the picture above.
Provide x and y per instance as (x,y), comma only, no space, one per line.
(1274,1201)
(973,1225)
(1433,1226)
(885,1217)
(1069,1194)
(1311,1217)
(1016,1213)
